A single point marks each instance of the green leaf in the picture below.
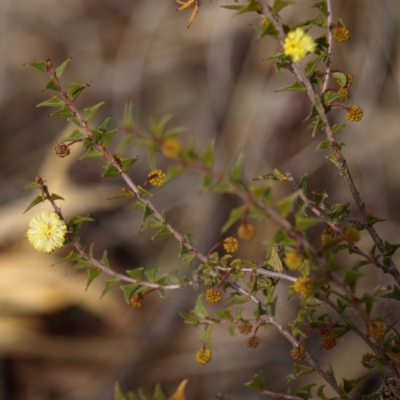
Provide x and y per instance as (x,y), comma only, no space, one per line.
(59,71)
(128,290)
(123,194)
(153,224)
(393,295)
(303,223)
(92,274)
(77,220)
(252,5)
(286,205)
(72,257)
(320,392)
(280,4)
(274,260)
(188,259)
(118,395)
(236,298)
(50,85)
(341,77)
(312,65)
(259,311)
(350,278)
(136,273)
(144,193)
(75,135)
(55,101)
(257,382)
(235,215)
(104,259)
(296,87)
(151,274)
(275,175)
(330,97)
(106,137)
(91,152)
(63,112)
(173,172)
(298,371)
(337,127)
(75,89)
(38,64)
(319,197)
(35,202)
(207,157)
(206,337)
(108,284)
(323,8)
(199,309)
(372,219)
(110,171)
(157,127)
(324,145)
(33,185)
(127,162)
(81,264)
(372,396)
(350,384)
(320,21)
(158,393)
(163,232)
(236,170)
(90,112)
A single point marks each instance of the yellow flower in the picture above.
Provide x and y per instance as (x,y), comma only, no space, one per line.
(230,244)
(298,44)
(156,177)
(294,260)
(171,147)
(203,356)
(246,231)
(189,3)
(46,231)
(302,286)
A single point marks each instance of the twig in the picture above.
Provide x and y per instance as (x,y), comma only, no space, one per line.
(340,160)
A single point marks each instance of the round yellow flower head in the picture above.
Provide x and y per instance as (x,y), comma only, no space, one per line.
(246,231)
(355,113)
(171,147)
(302,286)
(46,231)
(294,260)
(298,44)
(203,356)
(230,244)
(156,177)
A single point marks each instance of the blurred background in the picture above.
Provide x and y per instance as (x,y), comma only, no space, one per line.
(58,341)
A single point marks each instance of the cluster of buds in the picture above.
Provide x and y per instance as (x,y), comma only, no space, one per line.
(302,285)
(213,296)
(377,330)
(253,342)
(230,244)
(355,113)
(246,231)
(328,341)
(298,353)
(203,356)
(340,33)
(136,300)
(366,360)
(352,234)
(245,327)
(156,177)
